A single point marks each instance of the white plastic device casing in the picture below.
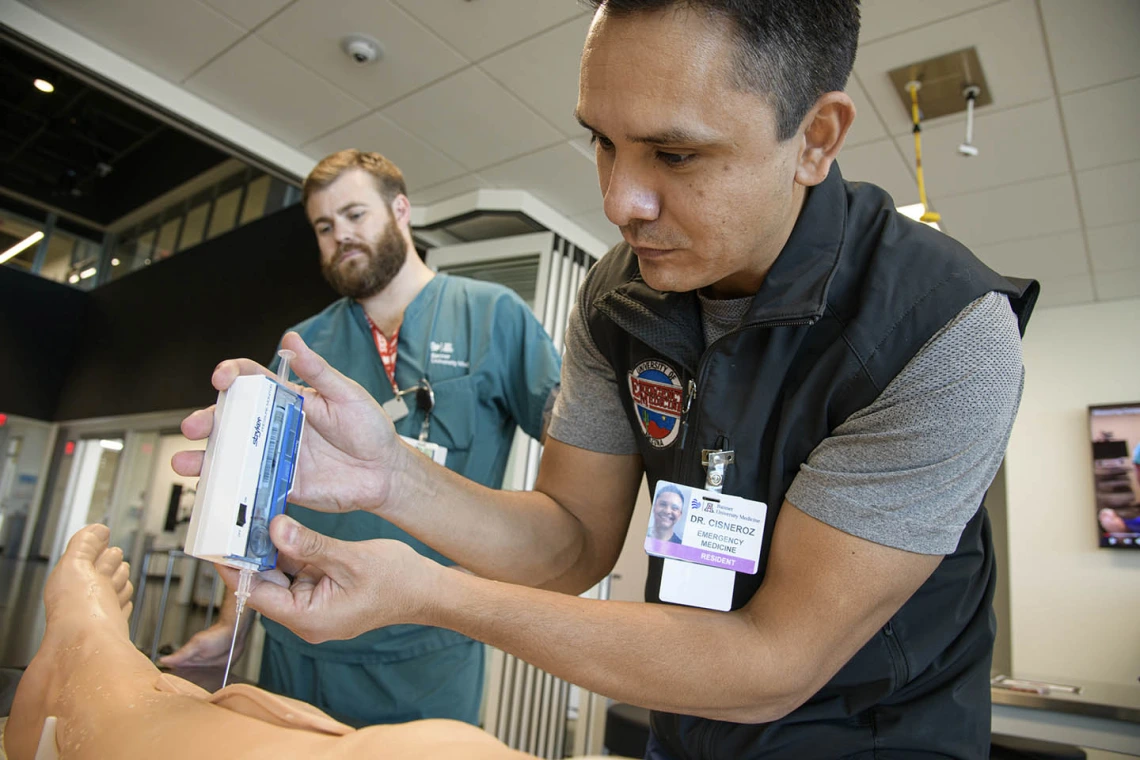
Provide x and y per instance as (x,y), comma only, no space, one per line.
(229,479)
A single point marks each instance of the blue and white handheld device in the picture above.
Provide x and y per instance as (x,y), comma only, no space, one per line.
(247,474)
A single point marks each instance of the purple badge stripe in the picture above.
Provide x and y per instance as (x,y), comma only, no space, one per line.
(700,556)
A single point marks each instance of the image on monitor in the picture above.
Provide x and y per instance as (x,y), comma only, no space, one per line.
(1115,434)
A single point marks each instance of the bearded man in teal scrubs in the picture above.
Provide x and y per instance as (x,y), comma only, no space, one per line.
(458,364)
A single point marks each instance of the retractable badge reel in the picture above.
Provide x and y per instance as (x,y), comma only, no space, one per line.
(425,402)
(704,537)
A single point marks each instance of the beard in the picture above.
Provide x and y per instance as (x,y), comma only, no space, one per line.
(368,275)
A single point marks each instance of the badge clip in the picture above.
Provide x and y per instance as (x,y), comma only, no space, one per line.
(714,462)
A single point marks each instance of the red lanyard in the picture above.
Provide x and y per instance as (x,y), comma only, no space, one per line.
(386,347)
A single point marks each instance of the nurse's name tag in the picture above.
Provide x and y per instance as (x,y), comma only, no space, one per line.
(706,528)
(432,451)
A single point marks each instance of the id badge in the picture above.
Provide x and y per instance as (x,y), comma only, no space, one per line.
(705,538)
(396,408)
(432,451)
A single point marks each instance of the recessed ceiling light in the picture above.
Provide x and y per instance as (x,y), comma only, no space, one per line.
(114,262)
(88,272)
(44,85)
(74,278)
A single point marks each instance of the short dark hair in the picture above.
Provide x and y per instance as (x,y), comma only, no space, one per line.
(792,51)
(670,488)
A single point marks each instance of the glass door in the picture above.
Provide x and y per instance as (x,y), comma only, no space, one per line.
(87,496)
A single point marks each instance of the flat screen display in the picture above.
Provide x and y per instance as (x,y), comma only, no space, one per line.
(1115,436)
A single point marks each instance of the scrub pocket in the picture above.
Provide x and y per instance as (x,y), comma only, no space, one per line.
(454,416)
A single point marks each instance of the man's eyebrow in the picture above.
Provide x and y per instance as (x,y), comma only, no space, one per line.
(343,209)
(582,121)
(667,136)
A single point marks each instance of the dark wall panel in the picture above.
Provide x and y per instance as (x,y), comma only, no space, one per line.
(41,323)
(153,338)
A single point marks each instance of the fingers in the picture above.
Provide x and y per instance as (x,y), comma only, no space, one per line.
(198,425)
(314,370)
(275,602)
(205,648)
(229,370)
(304,546)
(192,653)
(276,577)
(188,463)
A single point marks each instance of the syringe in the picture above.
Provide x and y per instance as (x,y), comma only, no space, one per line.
(246,578)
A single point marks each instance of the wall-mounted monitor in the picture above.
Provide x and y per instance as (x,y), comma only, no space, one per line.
(1115,435)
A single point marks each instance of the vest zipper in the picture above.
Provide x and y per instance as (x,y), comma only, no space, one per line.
(690,394)
(681,471)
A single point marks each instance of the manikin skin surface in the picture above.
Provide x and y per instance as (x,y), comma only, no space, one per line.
(111,701)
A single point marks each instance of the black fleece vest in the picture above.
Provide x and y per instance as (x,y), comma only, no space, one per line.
(853,296)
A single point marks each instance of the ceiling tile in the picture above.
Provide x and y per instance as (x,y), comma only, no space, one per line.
(171,38)
(1051,256)
(446,190)
(1101,124)
(1108,194)
(499,23)
(1009,43)
(543,72)
(1029,209)
(881,18)
(473,119)
(421,164)
(880,164)
(596,223)
(248,13)
(560,176)
(1014,145)
(1092,43)
(266,88)
(868,127)
(1066,291)
(1111,286)
(311,31)
(1115,248)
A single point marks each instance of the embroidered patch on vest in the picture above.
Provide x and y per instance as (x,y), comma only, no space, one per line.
(657,400)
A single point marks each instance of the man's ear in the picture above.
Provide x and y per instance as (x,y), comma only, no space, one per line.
(402,210)
(824,129)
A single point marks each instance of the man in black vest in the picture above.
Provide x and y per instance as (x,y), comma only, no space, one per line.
(769,332)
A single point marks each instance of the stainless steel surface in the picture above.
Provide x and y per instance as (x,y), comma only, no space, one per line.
(1097,700)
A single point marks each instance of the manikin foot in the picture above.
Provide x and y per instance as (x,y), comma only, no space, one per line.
(87,596)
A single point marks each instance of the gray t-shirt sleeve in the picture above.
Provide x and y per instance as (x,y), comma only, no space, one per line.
(909,470)
(588,412)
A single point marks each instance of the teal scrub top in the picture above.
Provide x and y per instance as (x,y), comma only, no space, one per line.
(492,367)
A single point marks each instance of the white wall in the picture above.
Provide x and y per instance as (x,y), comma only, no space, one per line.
(1073,607)
(164,478)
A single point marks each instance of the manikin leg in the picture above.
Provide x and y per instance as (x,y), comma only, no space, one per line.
(110,701)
